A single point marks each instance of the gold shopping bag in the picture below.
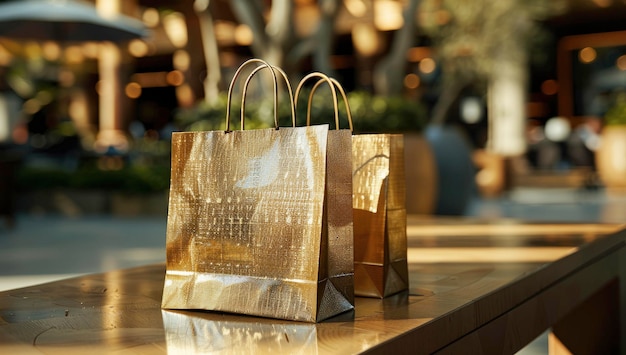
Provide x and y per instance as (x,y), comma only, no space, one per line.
(249,227)
(379,209)
(234,334)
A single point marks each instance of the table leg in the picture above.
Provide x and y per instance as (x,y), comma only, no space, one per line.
(593,327)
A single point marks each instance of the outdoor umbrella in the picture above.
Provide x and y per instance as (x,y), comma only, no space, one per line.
(64,20)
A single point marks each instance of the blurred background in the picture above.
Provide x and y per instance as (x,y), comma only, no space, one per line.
(505,105)
(510,109)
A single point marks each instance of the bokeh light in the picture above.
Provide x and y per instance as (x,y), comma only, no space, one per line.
(427,65)
(550,87)
(365,38)
(243,35)
(621,62)
(557,129)
(471,110)
(151,17)
(587,55)
(412,81)
(138,48)
(133,90)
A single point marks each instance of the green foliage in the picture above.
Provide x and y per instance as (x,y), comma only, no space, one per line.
(377,114)
(134,179)
(370,113)
(616,115)
(212,116)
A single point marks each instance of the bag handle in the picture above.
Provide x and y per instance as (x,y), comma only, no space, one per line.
(289,90)
(332,83)
(264,64)
(343,96)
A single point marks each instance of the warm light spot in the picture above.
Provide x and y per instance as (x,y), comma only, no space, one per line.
(133,90)
(388,15)
(176,28)
(427,65)
(412,81)
(181,60)
(486,177)
(306,20)
(415,54)
(67,78)
(243,35)
(5,56)
(356,8)
(621,62)
(91,49)
(108,9)
(51,50)
(78,109)
(550,87)
(138,48)
(74,54)
(224,32)
(185,96)
(151,17)
(587,55)
(603,3)
(175,78)
(32,50)
(365,38)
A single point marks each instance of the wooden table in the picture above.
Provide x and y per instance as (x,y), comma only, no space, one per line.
(476,287)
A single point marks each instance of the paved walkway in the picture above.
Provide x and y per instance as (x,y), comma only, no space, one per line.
(41,248)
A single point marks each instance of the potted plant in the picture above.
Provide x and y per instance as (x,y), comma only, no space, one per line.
(610,156)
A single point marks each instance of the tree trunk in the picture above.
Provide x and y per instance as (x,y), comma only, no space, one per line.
(389,74)
(320,44)
(271,41)
(507,109)
(450,90)
(211,51)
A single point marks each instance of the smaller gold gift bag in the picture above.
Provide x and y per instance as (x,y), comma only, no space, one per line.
(379,208)
(249,226)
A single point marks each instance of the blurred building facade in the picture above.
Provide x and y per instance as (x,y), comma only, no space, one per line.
(195,45)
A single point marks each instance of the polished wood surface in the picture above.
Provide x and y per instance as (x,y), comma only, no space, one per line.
(486,286)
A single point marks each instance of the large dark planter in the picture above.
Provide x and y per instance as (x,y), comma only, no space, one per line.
(455,169)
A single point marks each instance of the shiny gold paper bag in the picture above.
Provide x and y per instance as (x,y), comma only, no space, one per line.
(257,221)
(210,333)
(380,241)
